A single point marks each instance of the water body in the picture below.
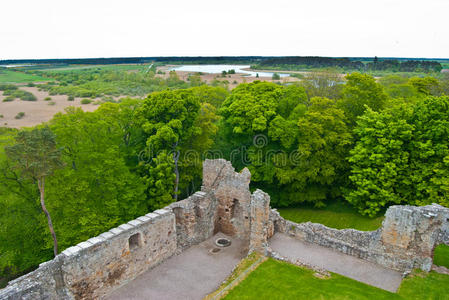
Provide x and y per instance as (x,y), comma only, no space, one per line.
(217,69)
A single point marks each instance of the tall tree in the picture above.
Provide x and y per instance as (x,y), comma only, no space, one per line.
(359,92)
(36,155)
(401,156)
(169,120)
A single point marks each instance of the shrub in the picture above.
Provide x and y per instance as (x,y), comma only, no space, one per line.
(70,98)
(9,99)
(26,96)
(276,76)
(47,98)
(51,103)
(7,87)
(20,115)
(86,101)
(30,84)
(1,116)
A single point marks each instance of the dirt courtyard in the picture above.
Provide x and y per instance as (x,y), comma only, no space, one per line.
(193,274)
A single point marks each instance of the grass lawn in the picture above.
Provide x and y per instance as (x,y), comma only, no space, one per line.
(280,280)
(9,76)
(337,215)
(441,256)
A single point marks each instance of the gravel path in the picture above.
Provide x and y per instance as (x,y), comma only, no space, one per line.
(193,274)
(336,262)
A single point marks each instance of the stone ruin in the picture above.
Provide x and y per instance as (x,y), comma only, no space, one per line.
(95,267)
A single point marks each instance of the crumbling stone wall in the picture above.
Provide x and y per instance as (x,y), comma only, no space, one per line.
(93,268)
(261,227)
(195,219)
(231,191)
(405,241)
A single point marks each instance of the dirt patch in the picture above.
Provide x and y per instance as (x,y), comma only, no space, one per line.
(38,111)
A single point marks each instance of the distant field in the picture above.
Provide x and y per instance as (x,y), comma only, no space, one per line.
(280,280)
(70,68)
(9,76)
(337,215)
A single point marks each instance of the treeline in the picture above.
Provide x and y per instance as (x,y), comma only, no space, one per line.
(315,62)
(138,60)
(404,66)
(312,62)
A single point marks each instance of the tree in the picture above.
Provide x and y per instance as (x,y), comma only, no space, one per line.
(35,155)
(401,156)
(294,148)
(276,76)
(100,187)
(169,120)
(316,170)
(323,84)
(426,86)
(361,91)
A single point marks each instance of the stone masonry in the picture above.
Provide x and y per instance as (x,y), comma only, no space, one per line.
(406,240)
(96,267)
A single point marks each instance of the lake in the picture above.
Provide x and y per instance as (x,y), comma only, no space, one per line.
(217,69)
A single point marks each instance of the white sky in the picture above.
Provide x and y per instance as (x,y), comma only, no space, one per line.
(112,28)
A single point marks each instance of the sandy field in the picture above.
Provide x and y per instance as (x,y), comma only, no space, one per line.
(38,111)
(234,79)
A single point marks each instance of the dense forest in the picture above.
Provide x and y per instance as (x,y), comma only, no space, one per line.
(372,143)
(315,62)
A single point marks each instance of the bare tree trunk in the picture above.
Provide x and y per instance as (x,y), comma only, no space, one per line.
(41,185)
(176,159)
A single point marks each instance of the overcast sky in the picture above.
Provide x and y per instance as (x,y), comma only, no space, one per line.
(111,28)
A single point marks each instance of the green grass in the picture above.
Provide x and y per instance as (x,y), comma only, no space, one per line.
(337,215)
(280,280)
(441,256)
(421,285)
(10,76)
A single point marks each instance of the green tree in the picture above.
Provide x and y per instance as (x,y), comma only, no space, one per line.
(35,155)
(316,170)
(426,86)
(169,120)
(359,92)
(323,84)
(401,156)
(97,190)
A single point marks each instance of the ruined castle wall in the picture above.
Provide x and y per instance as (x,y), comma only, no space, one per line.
(231,191)
(195,219)
(97,266)
(405,241)
(261,227)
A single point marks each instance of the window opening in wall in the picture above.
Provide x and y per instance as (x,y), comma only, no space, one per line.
(134,241)
(235,208)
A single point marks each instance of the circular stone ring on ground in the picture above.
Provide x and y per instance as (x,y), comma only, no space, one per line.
(223,242)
